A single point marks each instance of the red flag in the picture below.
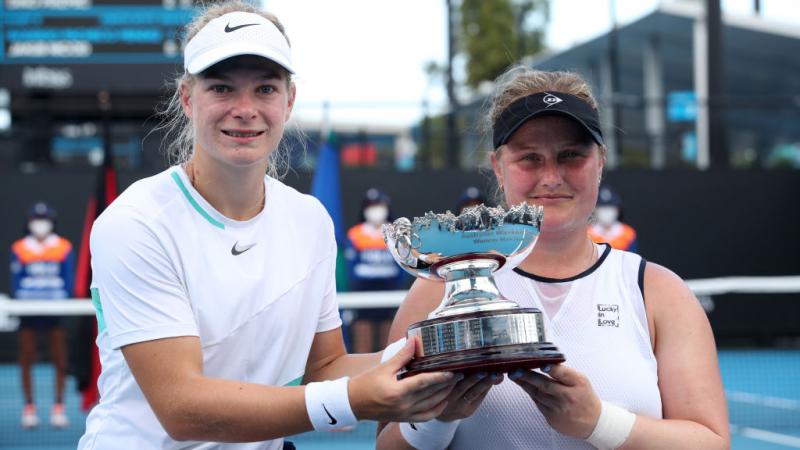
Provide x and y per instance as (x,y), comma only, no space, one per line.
(87,356)
(83,267)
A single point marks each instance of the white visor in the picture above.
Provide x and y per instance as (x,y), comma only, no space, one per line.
(234,34)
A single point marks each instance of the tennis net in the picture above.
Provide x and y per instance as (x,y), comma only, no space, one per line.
(760,377)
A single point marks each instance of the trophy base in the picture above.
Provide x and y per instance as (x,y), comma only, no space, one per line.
(488,341)
(501,359)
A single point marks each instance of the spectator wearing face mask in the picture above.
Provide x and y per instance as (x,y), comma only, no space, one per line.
(42,268)
(607,226)
(372,268)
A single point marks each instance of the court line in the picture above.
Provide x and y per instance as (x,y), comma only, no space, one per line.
(767,436)
(763,400)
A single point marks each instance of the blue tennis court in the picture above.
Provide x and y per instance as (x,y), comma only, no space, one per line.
(762,387)
(763,391)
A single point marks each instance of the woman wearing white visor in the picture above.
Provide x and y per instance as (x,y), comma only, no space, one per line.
(214,284)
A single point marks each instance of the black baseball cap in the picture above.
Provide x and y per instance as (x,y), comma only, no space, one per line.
(544,103)
(608,197)
(41,210)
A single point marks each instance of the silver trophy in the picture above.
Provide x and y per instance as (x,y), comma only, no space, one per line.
(474,328)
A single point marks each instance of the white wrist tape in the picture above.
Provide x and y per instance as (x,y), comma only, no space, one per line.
(392,349)
(328,405)
(613,427)
(430,435)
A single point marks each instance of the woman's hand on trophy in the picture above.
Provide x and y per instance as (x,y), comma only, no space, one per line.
(565,398)
(378,395)
(468,394)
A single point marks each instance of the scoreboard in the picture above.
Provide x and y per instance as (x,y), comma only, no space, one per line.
(78,46)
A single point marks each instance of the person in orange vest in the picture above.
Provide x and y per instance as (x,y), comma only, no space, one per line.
(42,268)
(607,226)
(372,268)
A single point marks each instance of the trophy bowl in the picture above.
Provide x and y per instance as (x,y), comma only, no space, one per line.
(474,328)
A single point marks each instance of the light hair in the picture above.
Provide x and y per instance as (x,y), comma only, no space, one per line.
(178,142)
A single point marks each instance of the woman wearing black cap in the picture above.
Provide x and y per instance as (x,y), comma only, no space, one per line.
(214,285)
(638,374)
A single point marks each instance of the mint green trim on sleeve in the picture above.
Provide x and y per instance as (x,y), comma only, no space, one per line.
(296,382)
(194,203)
(98,310)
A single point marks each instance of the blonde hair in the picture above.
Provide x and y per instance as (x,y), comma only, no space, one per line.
(178,142)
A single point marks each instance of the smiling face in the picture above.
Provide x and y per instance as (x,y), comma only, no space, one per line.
(238,110)
(553,162)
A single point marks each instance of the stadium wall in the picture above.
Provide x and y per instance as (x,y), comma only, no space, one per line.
(699,224)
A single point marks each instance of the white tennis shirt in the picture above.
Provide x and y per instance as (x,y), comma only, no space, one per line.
(165,264)
(597,319)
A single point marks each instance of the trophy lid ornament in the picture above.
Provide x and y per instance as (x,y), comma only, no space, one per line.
(425,244)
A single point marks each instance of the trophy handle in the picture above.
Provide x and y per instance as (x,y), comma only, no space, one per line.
(403,247)
(406,241)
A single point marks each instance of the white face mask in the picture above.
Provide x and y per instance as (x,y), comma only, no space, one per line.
(377,214)
(40,228)
(606,215)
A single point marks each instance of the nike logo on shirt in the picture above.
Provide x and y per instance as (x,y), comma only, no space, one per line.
(229,28)
(333,419)
(236,250)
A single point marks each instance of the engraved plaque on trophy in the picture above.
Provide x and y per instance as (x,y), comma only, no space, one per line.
(474,328)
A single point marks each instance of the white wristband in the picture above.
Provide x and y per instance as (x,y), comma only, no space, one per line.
(613,427)
(392,349)
(430,435)
(328,405)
